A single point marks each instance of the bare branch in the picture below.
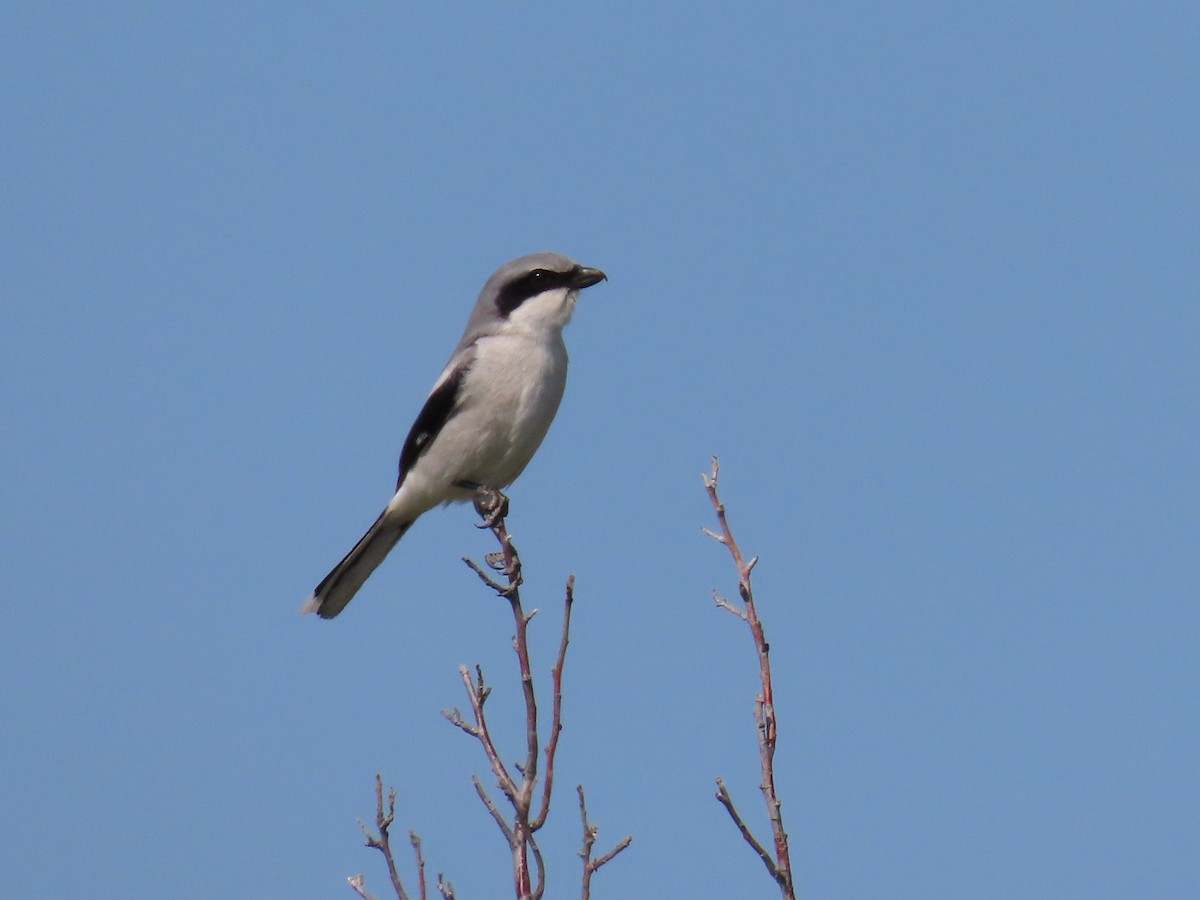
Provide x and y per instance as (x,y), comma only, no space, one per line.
(556,675)
(415,840)
(382,843)
(529,870)
(590,866)
(727,802)
(726,605)
(491,807)
(621,845)
(539,866)
(454,717)
(779,865)
(493,507)
(519,831)
(383,822)
(485,577)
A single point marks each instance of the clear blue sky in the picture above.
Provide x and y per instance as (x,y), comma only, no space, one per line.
(924,276)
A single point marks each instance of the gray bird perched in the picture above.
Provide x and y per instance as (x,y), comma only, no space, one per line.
(487,413)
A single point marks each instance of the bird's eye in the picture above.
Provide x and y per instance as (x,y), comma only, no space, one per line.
(528,284)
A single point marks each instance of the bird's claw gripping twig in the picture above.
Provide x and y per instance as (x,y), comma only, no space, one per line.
(491,504)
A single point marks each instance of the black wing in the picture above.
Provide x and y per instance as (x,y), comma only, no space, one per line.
(436,412)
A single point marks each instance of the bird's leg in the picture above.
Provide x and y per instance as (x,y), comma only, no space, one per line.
(492,506)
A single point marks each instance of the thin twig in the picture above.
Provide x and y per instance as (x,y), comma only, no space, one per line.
(607,857)
(590,866)
(491,807)
(382,841)
(556,675)
(477,693)
(487,579)
(415,840)
(727,802)
(780,866)
(726,605)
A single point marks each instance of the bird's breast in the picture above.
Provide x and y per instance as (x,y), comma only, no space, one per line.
(514,389)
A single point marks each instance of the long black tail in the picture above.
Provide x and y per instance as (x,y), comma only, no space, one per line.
(339,586)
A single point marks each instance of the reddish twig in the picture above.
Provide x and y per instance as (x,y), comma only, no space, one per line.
(415,840)
(780,865)
(382,842)
(556,675)
(477,693)
(521,830)
(589,840)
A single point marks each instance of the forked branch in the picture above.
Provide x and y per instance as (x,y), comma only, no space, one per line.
(590,866)
(382,842)
(518,784)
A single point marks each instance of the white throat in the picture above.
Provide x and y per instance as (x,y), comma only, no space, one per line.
(548,312)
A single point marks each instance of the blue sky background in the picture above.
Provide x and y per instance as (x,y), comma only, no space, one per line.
(924,276)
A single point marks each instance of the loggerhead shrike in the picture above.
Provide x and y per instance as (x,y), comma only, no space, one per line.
(487,413)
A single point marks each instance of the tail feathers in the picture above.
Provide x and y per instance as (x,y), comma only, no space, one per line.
(339,586)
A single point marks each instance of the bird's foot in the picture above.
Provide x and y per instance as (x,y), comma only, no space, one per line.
(491,504)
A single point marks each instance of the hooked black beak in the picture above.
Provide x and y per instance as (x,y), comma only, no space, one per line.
(582,276)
